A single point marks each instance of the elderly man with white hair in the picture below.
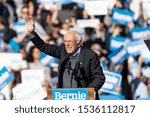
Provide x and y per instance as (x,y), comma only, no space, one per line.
(78,67)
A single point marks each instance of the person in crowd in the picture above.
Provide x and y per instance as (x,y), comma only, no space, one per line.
(103,60)
(78,67)
(4,12)
(33,58)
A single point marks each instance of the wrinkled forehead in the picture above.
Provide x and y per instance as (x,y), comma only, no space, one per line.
(70,36)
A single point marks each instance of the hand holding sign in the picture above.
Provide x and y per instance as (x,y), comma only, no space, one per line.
(112,83)
(5,77)
(31,90)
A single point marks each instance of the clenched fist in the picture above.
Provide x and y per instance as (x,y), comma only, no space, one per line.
(30,24)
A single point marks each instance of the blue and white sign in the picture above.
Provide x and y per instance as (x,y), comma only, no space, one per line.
(135,48)
(35,74)
(20,27)
(146,8)
(117,42)
(119,56)
(2,45)
(70,94)
(84,23)
(141,33)
(47,60)
(5,77)
(31,90)
(112,97)
(13,60)
(54,1)
(112,81)
(97,7)
(147,98)
(80,3)
(104,64)
(122,17)
(62,1)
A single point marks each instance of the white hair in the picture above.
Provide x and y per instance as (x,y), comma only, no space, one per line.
(77,36)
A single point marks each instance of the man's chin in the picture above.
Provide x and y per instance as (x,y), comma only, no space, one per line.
(70,53)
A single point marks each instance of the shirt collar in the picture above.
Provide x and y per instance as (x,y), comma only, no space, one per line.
(76,53)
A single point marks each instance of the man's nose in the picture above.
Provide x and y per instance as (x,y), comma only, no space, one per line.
(67,43)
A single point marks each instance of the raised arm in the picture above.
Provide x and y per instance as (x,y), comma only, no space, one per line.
(51,50)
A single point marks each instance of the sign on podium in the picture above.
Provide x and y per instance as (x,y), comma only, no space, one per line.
(71,94)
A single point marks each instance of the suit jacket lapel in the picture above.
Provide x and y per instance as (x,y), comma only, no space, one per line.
(64,55)
(82,54)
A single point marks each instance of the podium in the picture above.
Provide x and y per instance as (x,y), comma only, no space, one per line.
(71,94)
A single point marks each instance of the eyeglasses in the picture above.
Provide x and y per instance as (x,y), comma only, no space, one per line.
(68,41)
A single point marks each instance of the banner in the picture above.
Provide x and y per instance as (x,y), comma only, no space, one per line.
(122,17)
(31,90)
(70,94)
(135,48)
(35,74)
(119,56)
(5,77)
(112,81)
(80,3)
(12,60)
(50,4)
(111,4)
(134,7)
(146,8)
(2,45)
(94,7)
(112,97)
(62,1)
(142,33)
(117,42)
(92,23)
(145,1)
(47,60)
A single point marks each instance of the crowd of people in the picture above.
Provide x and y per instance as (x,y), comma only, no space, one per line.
(52,22)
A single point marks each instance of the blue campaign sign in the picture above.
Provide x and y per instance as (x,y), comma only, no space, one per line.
(117,42)
(141,33)
(147,98)
(62,1)
(5,77)
(70,94)
(122,17)
(135,48)
(80,3)
(119,56)
(47,60)
(112,97)
(112,80)
(104,64)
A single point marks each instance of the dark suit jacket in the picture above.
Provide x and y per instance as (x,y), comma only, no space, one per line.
(147,43)
(91,71)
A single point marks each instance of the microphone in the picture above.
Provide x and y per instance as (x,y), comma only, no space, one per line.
(76,69)
(68,66)
(77,66)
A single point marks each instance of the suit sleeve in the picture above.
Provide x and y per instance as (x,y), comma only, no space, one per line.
(51,50)
(147,42)
(98,77)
